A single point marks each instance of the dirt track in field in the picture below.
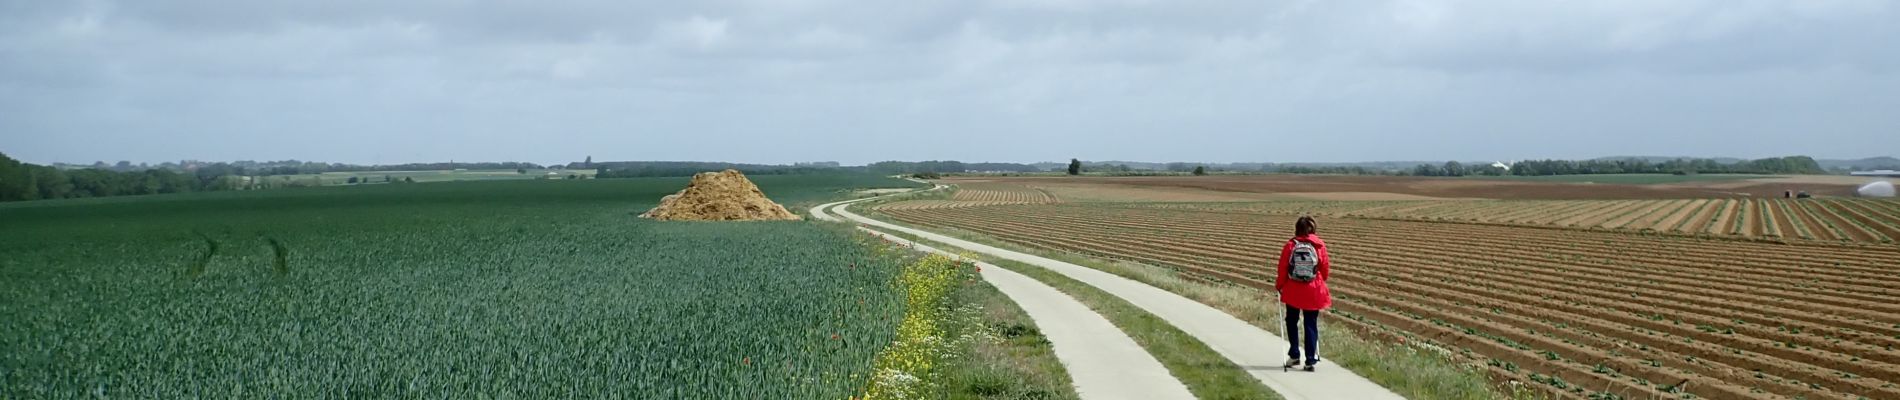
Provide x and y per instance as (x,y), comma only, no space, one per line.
(1631,315)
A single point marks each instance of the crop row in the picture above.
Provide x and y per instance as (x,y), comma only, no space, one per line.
(450,290)
(1863,221)
(1618,314)
(939,204)
(977,194)
(998,192)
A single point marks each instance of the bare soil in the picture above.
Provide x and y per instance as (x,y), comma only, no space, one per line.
(1600,311)
(1344,187)
(1360,196)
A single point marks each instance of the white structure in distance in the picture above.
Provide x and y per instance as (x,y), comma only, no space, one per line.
(1875,189)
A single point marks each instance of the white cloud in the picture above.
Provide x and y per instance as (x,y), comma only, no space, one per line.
(698,32)
(1053,79)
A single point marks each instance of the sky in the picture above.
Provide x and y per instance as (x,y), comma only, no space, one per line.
(780,81)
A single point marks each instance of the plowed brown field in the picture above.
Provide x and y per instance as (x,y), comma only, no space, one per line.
(1000,192)
(1834,220)
(1459,188)
(979,193)
(1589,314)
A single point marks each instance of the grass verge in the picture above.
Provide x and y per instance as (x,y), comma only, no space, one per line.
(1019,364)
(1205,372)
(959,338)
(1411,370)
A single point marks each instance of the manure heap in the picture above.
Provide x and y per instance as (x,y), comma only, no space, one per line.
(719,196)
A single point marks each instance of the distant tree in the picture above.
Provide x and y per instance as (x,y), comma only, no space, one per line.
(408,179)
(522,171)
(52,183)
(16,180)
(352,180)
(589,163)
(1454,168)
(1075,166)
(572,177)
(1200,170)
(385,178)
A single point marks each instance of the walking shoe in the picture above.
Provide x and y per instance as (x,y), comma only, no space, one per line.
(1290,363)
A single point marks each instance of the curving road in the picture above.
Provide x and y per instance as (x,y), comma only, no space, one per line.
(1103,362)
(1254,349)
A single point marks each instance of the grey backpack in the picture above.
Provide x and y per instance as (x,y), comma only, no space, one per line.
(1304,264)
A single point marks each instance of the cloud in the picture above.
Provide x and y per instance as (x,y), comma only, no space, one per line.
(370,81)
(699,33)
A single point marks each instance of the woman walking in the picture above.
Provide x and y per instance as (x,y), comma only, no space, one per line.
(1304,267)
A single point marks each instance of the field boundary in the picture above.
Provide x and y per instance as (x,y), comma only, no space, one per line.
(1101,364)
(1239,341)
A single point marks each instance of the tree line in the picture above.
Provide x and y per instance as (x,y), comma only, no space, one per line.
(944,167)
(294,167)
(1772,165)
(25,181)
(1454,168)
(649,169)
(635,169)
(1683,166)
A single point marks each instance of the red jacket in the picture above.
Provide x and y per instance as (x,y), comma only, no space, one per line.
(1305,295)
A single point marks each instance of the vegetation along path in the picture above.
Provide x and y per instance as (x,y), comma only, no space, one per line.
(1103,361)
(1253,348)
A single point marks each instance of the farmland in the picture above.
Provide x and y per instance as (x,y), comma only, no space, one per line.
(979,193)
(1000,192)
(1617,298)
(1840,220)
(1280,186)
(1636,179)
(341,178)
(507,289)
(1603,313)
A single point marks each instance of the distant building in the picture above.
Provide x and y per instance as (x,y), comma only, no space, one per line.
(1501,165)
(1880,172)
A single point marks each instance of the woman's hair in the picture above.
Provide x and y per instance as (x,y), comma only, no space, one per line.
(1306,226)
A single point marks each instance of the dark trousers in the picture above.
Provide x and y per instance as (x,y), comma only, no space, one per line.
(1294,316)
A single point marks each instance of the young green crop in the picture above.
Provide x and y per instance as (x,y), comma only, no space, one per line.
(532,289)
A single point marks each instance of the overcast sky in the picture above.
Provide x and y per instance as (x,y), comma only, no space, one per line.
(377,81)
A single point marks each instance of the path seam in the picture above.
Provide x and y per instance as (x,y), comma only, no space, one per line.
(1102,361)
(1251,347)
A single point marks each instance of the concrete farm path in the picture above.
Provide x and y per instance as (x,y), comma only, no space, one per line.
(1102,361)
(1253,348)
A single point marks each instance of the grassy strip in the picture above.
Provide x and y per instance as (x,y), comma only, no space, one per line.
(1019,364)
(1411,371)
(1206,373)
(961,339)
